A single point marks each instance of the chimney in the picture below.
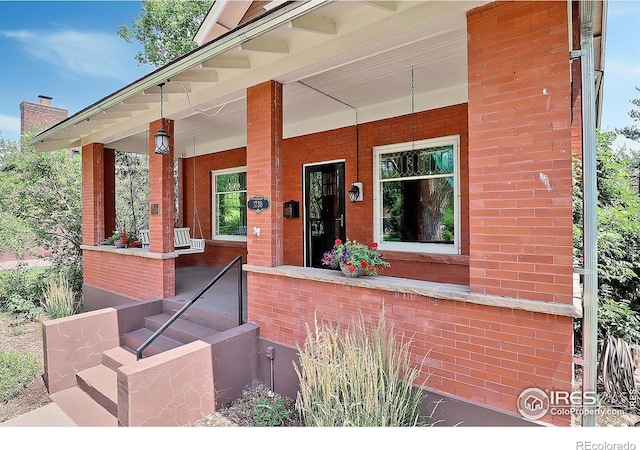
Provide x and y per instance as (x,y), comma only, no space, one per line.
(37,116)
(44,100)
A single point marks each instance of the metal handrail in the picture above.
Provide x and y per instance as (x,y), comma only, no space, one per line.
(187,305)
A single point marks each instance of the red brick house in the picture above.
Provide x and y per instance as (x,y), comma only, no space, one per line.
(459,119)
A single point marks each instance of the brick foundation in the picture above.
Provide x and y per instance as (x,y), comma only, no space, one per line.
(483,354)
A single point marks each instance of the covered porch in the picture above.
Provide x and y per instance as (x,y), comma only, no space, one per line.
(298,104)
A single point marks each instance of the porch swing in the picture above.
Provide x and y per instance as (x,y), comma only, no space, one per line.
(183,243)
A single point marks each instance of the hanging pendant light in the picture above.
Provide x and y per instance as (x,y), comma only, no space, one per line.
(161,137)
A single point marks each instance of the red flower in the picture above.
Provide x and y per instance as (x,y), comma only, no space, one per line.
(351,268)
(372,268)
(338,242)
(373,245)
(124,237)
(363,264)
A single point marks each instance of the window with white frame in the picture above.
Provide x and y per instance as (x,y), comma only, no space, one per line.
(417,196)
(229,190)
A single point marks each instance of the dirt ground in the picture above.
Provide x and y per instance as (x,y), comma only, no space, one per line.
(16,334)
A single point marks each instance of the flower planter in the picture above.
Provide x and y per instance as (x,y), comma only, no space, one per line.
(346,270)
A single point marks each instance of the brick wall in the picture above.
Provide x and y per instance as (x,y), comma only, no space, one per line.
(217,253)
(341,144)
(132,276)
(479,353)
(520,151)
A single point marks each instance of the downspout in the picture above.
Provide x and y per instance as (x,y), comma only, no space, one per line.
(590,224)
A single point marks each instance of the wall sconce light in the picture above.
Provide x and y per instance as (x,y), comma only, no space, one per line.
(162,138)
(355,193)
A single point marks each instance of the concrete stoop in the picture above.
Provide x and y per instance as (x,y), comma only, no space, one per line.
(93,402)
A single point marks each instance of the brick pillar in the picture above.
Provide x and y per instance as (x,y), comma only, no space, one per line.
(520,151)
(161,194)
(160,191)
(109,191)
(264,138)
(93,224)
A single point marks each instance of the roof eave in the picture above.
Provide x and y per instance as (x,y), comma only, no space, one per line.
(242,34)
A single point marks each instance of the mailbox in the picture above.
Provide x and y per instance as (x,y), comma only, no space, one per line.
(291,209)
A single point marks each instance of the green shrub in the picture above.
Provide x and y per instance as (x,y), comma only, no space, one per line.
(59,298)
(17,370)
(362,377)
(23,307)
(21,288)
(271,411)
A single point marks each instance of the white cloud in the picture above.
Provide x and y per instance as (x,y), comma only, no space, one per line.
(99,55)
(9,127)
(624,69)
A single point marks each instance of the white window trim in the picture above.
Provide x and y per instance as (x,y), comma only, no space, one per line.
(214,222)
(415,247)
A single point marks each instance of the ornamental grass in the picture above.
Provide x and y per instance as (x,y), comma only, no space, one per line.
(59,299)
(361,377)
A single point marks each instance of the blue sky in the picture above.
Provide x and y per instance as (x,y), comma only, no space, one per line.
(66,50)
(70,51)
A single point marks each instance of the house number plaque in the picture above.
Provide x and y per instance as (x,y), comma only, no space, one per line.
(258,203)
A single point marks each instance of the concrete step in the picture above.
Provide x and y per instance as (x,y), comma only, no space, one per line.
(101,384)
(117,356)
(82,409)
(180,330)
(135,338)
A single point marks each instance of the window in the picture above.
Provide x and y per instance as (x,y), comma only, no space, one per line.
(229,188)
(416,196)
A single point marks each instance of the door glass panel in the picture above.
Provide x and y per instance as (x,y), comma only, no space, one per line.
(325,210)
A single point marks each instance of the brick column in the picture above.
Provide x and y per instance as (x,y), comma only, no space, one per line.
(161,194)
(109,191)
(93,224)
(520,151)
(161,191)
(264,138)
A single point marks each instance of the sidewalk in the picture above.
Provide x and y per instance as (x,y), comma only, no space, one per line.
(49,415)
(29,263)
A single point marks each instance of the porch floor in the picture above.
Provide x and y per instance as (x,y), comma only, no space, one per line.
(222,298)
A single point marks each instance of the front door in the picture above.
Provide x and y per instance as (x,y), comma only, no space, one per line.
(324,207)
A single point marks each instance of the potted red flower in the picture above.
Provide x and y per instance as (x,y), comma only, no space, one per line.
(354,258)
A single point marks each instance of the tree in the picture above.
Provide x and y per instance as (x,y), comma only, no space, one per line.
(618,238)
(166,28)
(132,191)
(632,132)
(40,205)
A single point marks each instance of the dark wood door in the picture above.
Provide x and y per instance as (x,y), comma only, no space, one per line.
(324,206)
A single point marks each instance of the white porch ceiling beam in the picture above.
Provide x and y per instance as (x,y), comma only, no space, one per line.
(141,99)
(197,76)
(58,144)
(168,88)
(266,45)
(385,5)
(227,62)
(129,107)
(313,25)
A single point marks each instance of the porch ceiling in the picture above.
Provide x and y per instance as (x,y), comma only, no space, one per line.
(333,60)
